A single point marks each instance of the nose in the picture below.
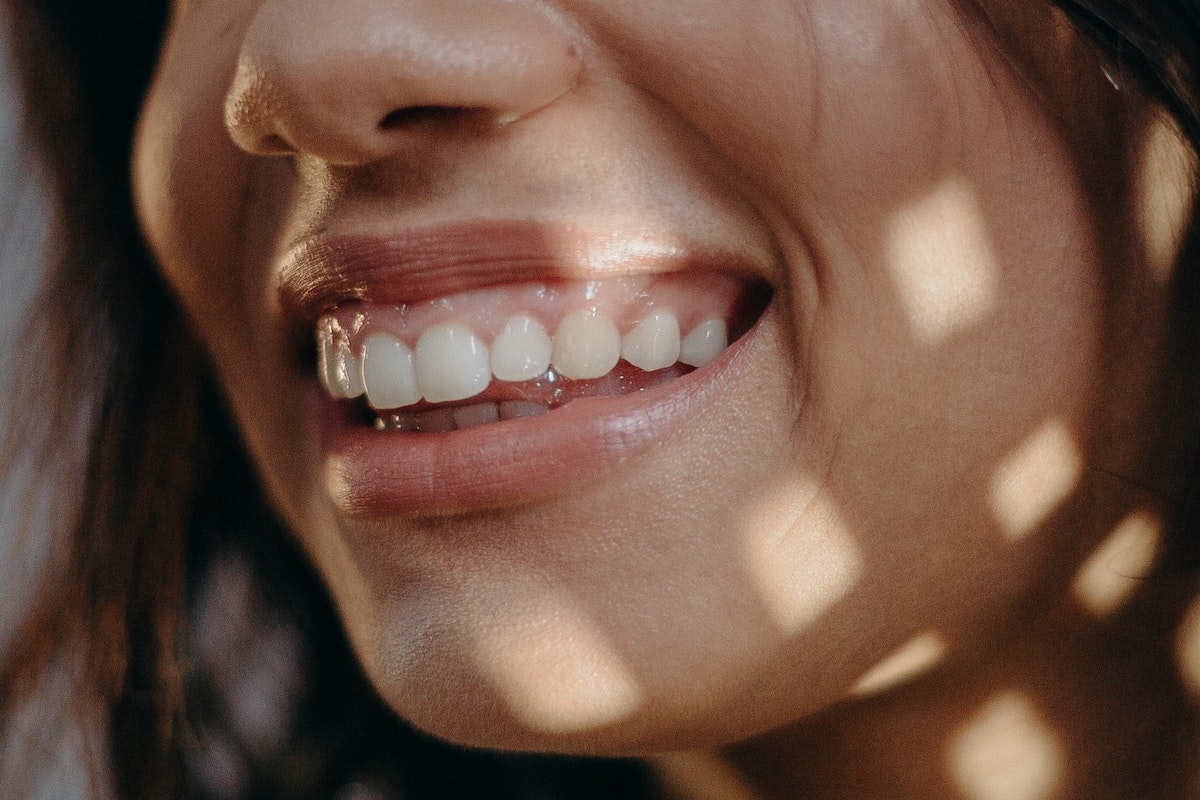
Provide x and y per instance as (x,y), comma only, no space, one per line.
(353,81)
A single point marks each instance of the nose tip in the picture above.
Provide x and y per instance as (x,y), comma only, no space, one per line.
(351,81)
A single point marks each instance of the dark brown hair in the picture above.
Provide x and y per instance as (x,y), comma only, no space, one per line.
(160,454)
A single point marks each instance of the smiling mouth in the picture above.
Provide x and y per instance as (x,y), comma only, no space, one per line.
(482,365)
(515,352)
(440,329)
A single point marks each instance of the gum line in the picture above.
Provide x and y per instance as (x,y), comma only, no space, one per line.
(625,300)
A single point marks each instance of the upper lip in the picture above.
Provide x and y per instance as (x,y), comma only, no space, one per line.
(322,271)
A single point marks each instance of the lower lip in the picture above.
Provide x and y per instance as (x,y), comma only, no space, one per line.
(370,473)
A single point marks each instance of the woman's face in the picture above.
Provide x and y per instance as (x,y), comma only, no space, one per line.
(881,207)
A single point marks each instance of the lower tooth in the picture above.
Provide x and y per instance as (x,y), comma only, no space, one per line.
(478,414)
(396,422)
(440,420)
(516,409)
(444,420)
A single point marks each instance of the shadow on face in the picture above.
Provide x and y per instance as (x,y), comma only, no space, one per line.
(937,431)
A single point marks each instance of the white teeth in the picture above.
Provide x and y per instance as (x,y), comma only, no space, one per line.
(706,341)
(653,343)
(388,372)
(522,350)
(586,345)
(451,363)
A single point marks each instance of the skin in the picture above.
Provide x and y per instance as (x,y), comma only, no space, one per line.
(920,442)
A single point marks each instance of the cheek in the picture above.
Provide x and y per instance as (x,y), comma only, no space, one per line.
(933,339)
(943,283)
(828,102)
(192,186)
(213,217)
(941,267)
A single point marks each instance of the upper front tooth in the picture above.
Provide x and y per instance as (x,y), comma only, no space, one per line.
(388,372)
(704,343)
(653,343)
(521,351)
(586,345)
(451,363)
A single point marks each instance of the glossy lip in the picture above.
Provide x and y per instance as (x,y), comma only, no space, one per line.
(320,272)
(371,473)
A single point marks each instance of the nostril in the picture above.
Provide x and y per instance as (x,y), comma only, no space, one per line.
(412,116)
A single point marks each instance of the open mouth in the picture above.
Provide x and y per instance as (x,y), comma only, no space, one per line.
(501,353)
(486,364)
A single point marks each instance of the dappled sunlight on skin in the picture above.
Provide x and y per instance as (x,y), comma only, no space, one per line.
(799,568)
(1035,478)
(1187,650)
(553,665)
(913,659)
(942,261)
(1111,575)
(1007,751)
(1165,177)
(876,464)
(701,776)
